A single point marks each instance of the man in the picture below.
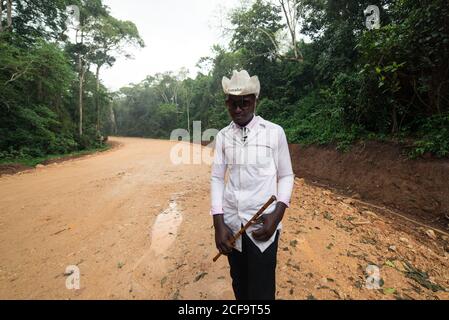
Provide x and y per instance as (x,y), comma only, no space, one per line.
(255,153)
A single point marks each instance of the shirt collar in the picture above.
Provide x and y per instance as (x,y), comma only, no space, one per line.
(250,125)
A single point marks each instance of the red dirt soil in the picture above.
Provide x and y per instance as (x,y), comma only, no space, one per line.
(379,173)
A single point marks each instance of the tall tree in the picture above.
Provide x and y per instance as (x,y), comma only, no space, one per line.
(111,38)
(34,19)
(1,16)
(293,10)
(9,14)
(85,45)
(8,5)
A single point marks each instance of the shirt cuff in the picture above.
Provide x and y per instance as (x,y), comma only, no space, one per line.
(284,200)
(216,210)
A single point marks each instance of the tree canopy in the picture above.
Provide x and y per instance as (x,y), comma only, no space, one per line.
(42,93)
(340,83)
(326,78)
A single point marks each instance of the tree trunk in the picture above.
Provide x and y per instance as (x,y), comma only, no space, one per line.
(291,17)
(97,97)
(9,13)
(113,121)
(188,117)
(437,81)
(394,116)
(80,98)
(81,72)
(39,90)
(1,15)
(58,104)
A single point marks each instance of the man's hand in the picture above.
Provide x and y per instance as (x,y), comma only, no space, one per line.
(270,223)
(223,235)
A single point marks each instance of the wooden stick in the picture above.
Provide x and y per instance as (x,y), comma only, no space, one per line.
(249,223)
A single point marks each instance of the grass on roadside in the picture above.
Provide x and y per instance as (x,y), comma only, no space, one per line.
(32,162)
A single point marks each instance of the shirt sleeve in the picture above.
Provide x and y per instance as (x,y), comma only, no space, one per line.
(218,171)
(286,176)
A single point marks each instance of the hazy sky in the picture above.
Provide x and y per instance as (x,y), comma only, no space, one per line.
(177,33)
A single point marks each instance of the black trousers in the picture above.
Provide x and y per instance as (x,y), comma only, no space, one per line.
(253,273)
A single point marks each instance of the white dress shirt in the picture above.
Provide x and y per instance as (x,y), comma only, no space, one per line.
(258,164)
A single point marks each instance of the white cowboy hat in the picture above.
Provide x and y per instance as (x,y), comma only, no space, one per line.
(241,84)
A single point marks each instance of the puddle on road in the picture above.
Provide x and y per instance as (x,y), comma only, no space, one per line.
(165,228)
(150,270)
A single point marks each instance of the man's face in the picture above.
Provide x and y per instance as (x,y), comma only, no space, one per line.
(241,108)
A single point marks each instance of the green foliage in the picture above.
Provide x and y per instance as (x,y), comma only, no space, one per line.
(39,19)
(31,83)
(39,84)
(354,83)
(318,120)
(433,137)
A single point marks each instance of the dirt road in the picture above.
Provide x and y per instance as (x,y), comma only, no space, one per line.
(137,227)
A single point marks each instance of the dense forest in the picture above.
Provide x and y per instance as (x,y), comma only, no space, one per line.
(344,83)
(51,56)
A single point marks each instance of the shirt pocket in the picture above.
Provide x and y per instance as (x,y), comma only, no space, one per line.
(231,156)
(264,160)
